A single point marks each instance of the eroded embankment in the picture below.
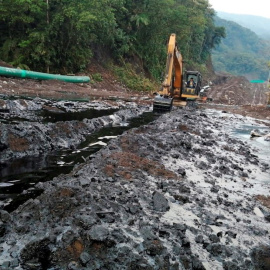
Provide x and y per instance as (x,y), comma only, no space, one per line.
(179,193)
(25,131)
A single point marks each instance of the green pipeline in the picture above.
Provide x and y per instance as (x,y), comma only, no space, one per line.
(21,73)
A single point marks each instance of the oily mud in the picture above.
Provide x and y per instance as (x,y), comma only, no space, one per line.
(179,193)
(82,129)
(31,128)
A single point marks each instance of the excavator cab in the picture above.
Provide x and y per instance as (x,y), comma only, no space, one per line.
(192,87)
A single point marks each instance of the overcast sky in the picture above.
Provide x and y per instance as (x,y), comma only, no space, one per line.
(251,7)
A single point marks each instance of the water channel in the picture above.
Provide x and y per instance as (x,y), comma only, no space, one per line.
(19,177)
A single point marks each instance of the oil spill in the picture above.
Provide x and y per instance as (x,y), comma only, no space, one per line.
(19,177)
(53,116)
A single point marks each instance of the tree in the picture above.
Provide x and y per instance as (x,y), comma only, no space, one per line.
(64,35)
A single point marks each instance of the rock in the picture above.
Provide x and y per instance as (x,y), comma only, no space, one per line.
(231,234)
(213,238)
(184,189)
(2,229)
(267,217)
(255,133)
(123,224)
(85,258)
(36,253)
(14,263)
(215,189)
(201,165)
(199,239)
(73,266)
(86,221)
(119,236)
(5,265)
(197,264)
(160,202)
(267,137)
(175,155)
(181,171)
(228,265)
(153,247)
(99,233)
(260,257)
(147,232)
(181,198)
(215,249)
(134,208)
(180,227)
(186,261)
(111,180)
(185,242)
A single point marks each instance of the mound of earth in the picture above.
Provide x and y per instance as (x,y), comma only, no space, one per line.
(232,90)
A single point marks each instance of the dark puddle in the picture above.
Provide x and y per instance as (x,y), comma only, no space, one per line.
(56,116)
(19,177)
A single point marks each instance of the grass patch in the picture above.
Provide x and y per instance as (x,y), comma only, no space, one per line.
(132,80)
(97,77)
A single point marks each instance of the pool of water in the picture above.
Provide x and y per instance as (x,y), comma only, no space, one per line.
(18,178)
(262,146)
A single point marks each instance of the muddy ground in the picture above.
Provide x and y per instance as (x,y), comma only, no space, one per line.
(180,193)
(238,95)
(241,96)
(108,89)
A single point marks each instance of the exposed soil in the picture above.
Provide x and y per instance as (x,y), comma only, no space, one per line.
(238,95)
(108,88)
(241,96)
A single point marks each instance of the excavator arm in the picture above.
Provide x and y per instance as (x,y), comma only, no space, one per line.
(172,83)
(173,91)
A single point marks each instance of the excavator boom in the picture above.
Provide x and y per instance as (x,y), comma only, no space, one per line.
(172,86)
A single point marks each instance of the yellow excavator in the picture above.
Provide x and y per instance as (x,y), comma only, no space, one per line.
(178,88)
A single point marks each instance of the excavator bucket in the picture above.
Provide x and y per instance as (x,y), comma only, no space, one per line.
(162,104)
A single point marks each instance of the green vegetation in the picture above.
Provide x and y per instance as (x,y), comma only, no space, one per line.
(96,77)
(64,35)
(257,24)
(127,76)
(241,52)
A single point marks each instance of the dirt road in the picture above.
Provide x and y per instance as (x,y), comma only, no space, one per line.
(238,91)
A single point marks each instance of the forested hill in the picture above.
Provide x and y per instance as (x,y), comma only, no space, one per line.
(63,36)
(242,52)
(257,24)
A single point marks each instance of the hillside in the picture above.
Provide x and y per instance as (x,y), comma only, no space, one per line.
(64,37)
(257,24)
(242,52)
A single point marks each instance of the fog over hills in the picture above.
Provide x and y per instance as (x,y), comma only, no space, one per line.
(259,25)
